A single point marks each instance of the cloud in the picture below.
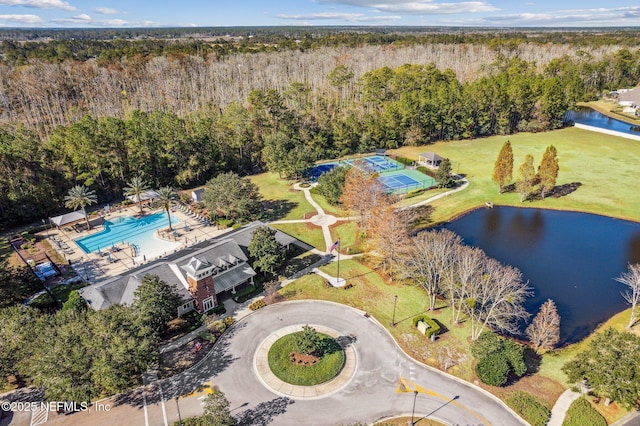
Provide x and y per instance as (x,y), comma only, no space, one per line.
(107,11)
(418,7)
(349,17)
(23,19)
(85,20)
(629,15)
(39,4)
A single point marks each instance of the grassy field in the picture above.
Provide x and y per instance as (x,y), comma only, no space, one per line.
(604,166)
(347,232)
(282,201)
(305,232)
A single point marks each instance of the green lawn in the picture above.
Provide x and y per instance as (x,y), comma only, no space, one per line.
(61,291)
(347,232)
(282,201)
(305,232)
(604,165)
(324,370)
(372,294)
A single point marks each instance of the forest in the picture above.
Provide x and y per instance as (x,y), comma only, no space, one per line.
(179,111)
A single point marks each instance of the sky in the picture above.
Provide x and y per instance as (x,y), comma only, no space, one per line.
(216,13)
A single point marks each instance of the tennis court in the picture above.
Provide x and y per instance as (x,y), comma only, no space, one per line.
(376,163)
(401,182)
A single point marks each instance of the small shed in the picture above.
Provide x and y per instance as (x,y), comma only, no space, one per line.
(381,151)
(429,159)
(197,195)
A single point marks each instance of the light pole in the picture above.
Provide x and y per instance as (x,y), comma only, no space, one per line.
(395,301)
(413,411)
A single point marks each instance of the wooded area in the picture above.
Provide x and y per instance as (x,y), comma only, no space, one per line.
(179,113)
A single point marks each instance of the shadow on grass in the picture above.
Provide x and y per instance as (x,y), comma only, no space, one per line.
(329,345)
(298,264)
(424,218)
(566,189)
(277,209)
(532,360)
(264,413)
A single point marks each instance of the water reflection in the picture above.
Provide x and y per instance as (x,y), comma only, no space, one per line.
(569,257)
(590,117)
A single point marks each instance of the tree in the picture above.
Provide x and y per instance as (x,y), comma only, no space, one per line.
(503,168)
(544,330)
(497,358)
(307,341)
(232,196)
(78,198)
(331,184)
(389,233)
(267,252)
(526,178)
(74,302)
(426,258)
(548,170)
(166,197)
(443,175)
(136,187)
(631,278)
(156,302)
(362,191)
(216,410)
(611,364)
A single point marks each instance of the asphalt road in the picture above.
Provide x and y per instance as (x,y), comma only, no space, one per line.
(370,395)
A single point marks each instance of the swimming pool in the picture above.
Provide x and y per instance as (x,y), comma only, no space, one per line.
(138,232)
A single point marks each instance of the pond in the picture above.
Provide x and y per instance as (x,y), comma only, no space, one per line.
(591,117)
(569,257)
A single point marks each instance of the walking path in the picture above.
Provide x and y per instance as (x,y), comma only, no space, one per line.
(559,410)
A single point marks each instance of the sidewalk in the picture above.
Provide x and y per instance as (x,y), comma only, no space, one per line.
(559,410)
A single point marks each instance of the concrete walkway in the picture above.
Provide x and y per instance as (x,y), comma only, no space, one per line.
(559,410)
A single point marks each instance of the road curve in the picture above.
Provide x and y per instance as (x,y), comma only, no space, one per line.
(370,395)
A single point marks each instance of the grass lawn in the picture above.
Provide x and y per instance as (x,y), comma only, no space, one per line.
(305,232)
(324,370)
(604,165)
(61,291)
(282,201)
(347,232)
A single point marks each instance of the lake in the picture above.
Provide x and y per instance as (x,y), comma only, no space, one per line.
(569,257)
(591,117)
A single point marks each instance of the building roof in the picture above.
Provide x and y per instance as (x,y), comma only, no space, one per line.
(244,235)
(197,195)
(67,218)
(431,156)
(147,195)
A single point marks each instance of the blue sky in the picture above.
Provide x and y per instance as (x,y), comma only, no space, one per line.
(159,13)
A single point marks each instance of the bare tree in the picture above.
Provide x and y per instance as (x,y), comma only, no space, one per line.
(544,330)
(426,259)
(462,277)
(496,300)
(389,233)
(631,278)
(362,192)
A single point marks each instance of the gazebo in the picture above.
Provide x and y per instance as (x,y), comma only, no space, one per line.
(67,218)
(145,196)
(429,159)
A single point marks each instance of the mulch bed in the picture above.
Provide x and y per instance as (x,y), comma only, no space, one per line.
(303,359)
(180,359)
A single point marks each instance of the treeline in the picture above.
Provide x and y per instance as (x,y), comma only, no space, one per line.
(282,129)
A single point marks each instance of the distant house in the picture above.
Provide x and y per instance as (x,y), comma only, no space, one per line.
(197,195)
(429,159)
(199,277)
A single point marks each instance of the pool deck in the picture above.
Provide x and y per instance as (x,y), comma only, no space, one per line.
(96,266)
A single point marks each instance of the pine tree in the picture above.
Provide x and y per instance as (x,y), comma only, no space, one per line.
(526,178)
(503,169)
(544,330)
(548,170)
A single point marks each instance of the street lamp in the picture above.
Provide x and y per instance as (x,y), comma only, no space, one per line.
(395,301)
(413,411)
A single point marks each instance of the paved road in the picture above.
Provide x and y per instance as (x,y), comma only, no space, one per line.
(370,395)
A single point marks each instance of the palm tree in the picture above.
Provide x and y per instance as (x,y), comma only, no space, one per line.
(78,198)
(137,186)
(166,195)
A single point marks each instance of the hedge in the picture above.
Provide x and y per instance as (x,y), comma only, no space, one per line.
(246,293)
(529,407)
(434,327)
(258,304)
(219,310)
(581,413)
(493,369)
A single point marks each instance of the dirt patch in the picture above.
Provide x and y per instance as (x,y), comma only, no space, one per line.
(182,358)
(303,359)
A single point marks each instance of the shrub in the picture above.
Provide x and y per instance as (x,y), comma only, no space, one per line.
(218,326)
(414,193)
(258,304)
(404,160)
(348,286)
(225,223)
(582,413)
(434,327)
(427,171)
(246,293)
(489,343)
(205,335)
(218,310)
(493,369)
(229,321)
(354,250)
(530,408)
